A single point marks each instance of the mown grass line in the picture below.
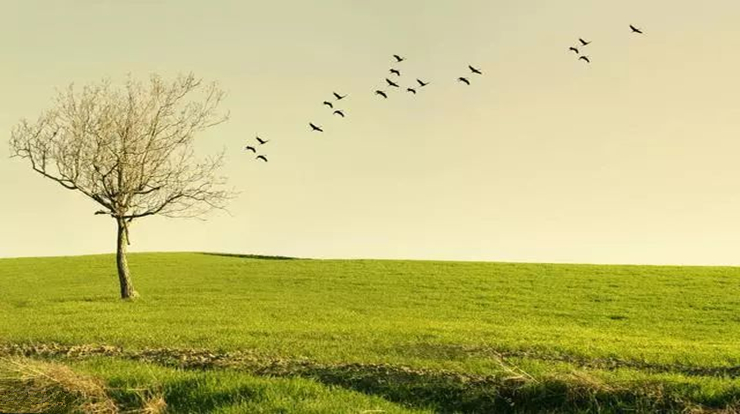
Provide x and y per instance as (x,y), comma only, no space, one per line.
(439,390)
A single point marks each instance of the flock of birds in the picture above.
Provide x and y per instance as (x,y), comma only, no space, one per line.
(585,43)
(394,72)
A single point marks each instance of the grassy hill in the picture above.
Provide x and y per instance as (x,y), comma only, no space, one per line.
(436,336)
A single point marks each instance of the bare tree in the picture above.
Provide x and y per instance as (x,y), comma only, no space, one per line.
(131,150)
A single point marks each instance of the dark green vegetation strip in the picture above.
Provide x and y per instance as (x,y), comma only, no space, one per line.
(511,390)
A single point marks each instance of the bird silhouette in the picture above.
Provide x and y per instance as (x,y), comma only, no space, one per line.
(262,157)
(422,83)
(315,128)
(338,96)
(395,72)
(635,30)
(339,112)
(412,90)
(329,104)
(585,58)
(399,58)
(574,49)
(474,70)
(583,42)
(464,80)
(391,83)
(381,93)
(262,141)
(250,148)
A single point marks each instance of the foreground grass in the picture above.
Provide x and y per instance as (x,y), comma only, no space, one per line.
(624,327)
(140,388)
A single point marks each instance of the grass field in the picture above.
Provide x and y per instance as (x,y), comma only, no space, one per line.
(404,336)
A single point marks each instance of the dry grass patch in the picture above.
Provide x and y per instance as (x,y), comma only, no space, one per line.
(41,387)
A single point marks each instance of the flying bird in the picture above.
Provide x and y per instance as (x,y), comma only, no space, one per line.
(262,141)
(412,90)
(381,93)
(464,80)
(585,58)
(250,148)
(329,104)
(338,96)
(339,112)
(395,72)
(422,83)
(583,42)
(315,128)
(474,70)
(574,49)
(391,83)
(635,30)
(399,58)
(262,157)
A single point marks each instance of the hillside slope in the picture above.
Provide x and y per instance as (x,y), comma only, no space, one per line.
(622,326)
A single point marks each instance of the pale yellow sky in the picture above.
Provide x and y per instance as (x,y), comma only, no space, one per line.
(632,159)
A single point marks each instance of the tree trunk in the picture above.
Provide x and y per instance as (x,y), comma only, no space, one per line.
(124,277)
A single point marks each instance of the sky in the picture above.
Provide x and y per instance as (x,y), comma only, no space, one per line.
(543,158)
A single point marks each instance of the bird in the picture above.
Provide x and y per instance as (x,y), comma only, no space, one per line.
(412,90)
(338,96)
(395,72)
(381,93)
(574,49)
(635,30)
(262,141)
(399,58)
(262,157)
(422,83)
(329,104)
(585,58)
(464,80)
(474,70)
(391,83)
(583,42)
(315,128)
(339,112)
(250,148)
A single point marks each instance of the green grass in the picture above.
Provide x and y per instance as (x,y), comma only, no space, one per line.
(228,391)
(668,330)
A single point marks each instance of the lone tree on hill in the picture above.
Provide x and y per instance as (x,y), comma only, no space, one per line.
(131,150)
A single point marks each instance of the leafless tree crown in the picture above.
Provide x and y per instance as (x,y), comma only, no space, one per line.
(130,148)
